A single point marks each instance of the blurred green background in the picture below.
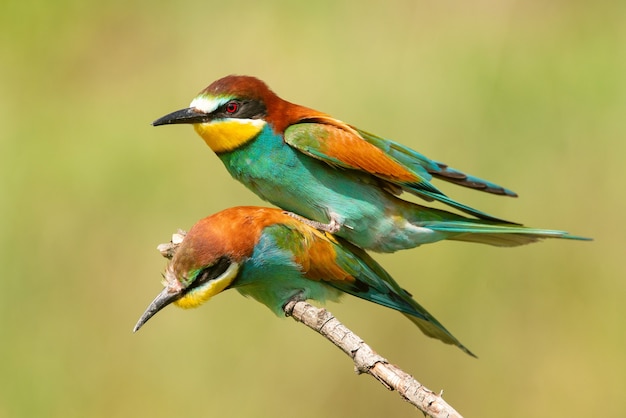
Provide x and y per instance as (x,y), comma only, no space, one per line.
(531,95)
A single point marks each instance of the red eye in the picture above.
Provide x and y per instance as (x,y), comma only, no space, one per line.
(232,107)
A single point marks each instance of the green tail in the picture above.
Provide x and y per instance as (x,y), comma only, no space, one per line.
(493,234)
(372,283)
(434,329)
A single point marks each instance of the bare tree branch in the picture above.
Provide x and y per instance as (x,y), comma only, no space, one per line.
(365,359)
(368,361)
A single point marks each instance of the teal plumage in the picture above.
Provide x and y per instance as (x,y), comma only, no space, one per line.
(322,169)
(277,259)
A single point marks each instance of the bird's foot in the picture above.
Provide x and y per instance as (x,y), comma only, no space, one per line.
(332,227)
(291,303)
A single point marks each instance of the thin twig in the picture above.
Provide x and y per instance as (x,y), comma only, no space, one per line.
(368,361)
(365,359)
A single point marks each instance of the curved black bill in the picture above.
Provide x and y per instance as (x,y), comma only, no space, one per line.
(161,301)
(189,115)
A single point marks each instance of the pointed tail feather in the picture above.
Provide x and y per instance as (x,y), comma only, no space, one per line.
(463,208)
(372,283)
(499,235)
(437,331)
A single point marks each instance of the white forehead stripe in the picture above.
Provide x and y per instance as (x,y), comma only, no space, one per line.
(208,104)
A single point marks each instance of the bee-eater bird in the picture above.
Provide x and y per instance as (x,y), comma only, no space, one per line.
(274,258)
(341,178)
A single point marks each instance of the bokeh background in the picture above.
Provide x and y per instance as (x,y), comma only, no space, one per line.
(529,94)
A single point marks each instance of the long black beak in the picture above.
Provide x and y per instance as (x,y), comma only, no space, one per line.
(161,301)
(189,115)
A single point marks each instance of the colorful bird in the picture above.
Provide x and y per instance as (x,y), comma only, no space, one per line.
(342,179)
(274,258)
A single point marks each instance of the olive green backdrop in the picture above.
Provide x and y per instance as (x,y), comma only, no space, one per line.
(528,94)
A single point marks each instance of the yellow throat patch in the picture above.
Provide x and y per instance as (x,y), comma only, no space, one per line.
(201,294)
(228,134)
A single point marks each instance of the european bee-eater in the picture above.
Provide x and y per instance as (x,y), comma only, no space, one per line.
(340,177)
(274,258)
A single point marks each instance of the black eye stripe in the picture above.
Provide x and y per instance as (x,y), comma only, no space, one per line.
(242,109)
(210,273)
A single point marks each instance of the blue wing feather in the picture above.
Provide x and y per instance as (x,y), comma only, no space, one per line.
(330,141)
(373,283)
